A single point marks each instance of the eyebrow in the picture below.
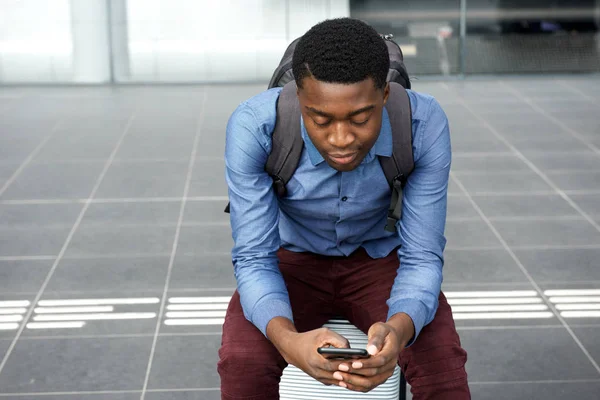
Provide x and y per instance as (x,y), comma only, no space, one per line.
(350,115)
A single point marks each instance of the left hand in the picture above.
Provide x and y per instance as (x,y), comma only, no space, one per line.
(386,340)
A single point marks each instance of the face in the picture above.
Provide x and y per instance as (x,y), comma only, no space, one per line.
(342,120)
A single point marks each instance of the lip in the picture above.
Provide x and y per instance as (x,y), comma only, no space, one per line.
(343,159)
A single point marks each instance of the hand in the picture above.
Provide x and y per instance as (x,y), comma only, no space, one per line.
(303,354)
(300,349)
(386,340)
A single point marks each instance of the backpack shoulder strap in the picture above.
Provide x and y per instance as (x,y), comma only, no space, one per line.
(287,140)
(398,167)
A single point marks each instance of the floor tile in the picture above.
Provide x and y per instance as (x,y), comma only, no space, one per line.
(582,161)
(590,204)
(37,215)
(16,148)
(23,276)
(32,241)
(206,212)
(469,234)
(521,182)
(210,394)
(55,181)
(6,171)
(589,339)
(156,179)
(536,391)
(132,213)
(560,265)
(517,131)
(460,207)
(465,266)
(158,144)
(525,206)
(560,232)
(117,274)
(556,144)
(115,239)
(486,163)
(4,345)
(185,362)
(199,271)
(95,139)
(523,355)
(205,239)
(157,124)
(76,365)
(208,178)
(576,180)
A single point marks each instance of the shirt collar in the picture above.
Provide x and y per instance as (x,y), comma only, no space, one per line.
(382,146)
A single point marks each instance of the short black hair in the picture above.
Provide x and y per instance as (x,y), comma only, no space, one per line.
(341,50)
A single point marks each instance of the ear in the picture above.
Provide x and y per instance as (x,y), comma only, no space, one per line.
(386,93)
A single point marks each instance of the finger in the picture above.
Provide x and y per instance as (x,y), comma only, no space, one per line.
(354,382)
(377,335)
(329,382)
(379,361)
(329,337)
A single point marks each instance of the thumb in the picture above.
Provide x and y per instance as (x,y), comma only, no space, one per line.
(377,334)
(334,339)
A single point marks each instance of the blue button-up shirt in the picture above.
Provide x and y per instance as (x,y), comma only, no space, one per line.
(334,213)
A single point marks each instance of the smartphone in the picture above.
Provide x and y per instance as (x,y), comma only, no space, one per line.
(335,353)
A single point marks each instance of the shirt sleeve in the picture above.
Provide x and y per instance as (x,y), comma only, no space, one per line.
(421,228)
(254,216)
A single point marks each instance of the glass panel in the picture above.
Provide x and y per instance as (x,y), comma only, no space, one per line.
(208,41)
(35,41)
(427,31)
(532,36)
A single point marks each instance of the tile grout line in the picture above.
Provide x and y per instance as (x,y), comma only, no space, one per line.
(218,333)
(29,158)
(553,119)
(186,190)
(513,255)
(505,244)
(529,163)
(199,199)
(550,305)
(578,91)
(63,250)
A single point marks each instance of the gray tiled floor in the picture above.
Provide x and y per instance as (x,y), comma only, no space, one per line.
(91,187)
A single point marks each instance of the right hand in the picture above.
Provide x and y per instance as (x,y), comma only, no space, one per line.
(301,351)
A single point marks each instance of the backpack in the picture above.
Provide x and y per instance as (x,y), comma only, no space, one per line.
(287,139)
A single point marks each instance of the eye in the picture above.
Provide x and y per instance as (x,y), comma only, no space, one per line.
(360,123)
(322,124)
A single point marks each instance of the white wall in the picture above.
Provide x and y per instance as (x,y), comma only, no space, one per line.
(54,41)
(216,41)
(35,41)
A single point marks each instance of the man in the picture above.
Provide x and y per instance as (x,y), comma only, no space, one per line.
(322,249)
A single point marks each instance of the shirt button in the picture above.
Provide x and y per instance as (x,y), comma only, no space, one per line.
(344,198)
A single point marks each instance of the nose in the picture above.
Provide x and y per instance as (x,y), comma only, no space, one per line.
(340,136)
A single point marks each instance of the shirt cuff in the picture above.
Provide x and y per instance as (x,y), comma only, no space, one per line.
(415,309)
(265,311)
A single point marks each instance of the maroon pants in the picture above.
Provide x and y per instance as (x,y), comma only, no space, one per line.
(355,287)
